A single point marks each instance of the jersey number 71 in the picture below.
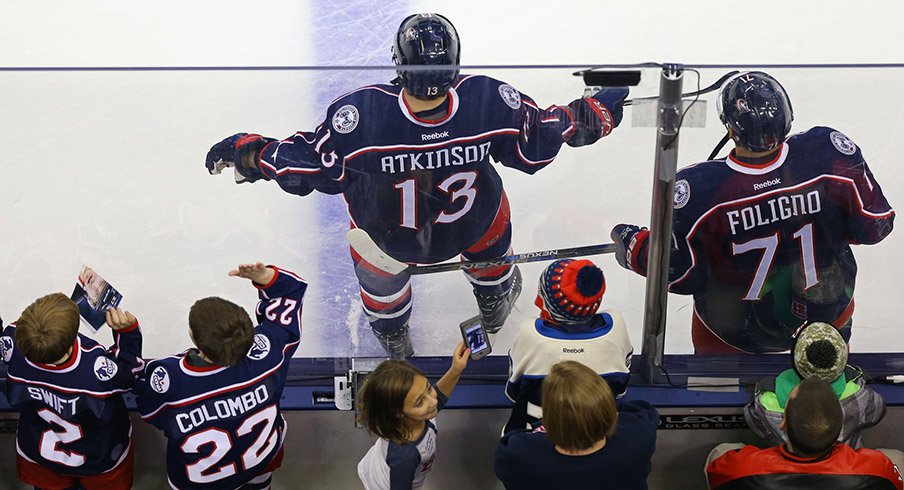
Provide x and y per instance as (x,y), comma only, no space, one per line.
(769,244)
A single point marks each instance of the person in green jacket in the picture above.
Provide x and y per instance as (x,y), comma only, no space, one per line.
(819,350)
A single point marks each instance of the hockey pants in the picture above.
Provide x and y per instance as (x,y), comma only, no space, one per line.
(386,298)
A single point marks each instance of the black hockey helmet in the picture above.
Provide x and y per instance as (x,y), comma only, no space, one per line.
(426,39)
(757,109)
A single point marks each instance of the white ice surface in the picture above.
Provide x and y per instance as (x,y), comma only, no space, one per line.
(105,169)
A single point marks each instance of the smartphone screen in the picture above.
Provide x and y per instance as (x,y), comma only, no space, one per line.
(476,339)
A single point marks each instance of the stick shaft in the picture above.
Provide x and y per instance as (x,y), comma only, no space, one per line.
(555,254)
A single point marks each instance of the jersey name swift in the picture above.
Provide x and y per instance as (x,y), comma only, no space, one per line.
(63,406)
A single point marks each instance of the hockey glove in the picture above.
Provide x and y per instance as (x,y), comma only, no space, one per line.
(595,117)
(240,151)
(630,247)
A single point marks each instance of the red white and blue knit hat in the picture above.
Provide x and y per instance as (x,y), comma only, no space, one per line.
(570,291)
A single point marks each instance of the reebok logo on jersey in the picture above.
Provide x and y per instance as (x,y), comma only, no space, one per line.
(567,350)
(768,183)
(434,136)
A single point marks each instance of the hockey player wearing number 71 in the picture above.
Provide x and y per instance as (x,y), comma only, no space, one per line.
(762,237)
(413,162)
(218,404)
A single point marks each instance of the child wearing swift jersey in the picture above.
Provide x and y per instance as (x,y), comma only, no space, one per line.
(398,404)
(74,430)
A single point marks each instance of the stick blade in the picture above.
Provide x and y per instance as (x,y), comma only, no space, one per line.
(364,246)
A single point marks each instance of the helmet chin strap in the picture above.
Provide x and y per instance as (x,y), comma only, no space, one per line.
(719,146)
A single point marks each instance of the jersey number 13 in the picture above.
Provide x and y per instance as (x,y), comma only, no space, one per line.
(466,191)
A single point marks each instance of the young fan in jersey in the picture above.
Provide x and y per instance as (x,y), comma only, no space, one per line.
(588,441)
(819,350)
(399,404)
(74,430)
(762,238)
(218,403)
(811,458)
(413,161)
(569,328)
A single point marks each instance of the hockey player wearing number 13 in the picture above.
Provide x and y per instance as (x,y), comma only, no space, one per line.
(218,404)
(413,161)
(762,237)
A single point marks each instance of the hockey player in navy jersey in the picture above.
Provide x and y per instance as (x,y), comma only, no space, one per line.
(74,429)
(413,162)
(218,404)
(762,237)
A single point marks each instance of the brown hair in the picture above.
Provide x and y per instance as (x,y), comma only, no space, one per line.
(47,328)
(813,417)
(221,329)
(578,406)
(382,399)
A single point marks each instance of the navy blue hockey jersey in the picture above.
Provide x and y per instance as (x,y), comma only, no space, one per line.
(72,417)
(765,248)
(423,190)
(223,425)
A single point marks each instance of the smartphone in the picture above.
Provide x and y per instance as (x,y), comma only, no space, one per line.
(475,337)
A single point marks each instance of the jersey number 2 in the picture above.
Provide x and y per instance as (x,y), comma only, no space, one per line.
(51,440)
(467,191)
(769,245)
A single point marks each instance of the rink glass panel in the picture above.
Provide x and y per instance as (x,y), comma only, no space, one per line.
(105,169)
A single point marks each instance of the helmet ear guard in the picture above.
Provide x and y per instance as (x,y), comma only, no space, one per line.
(426,39)
(756,110)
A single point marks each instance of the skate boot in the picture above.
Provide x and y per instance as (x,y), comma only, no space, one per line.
(396,343)
(495,308)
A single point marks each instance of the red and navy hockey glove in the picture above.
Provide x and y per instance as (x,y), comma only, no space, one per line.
(595,117)
(241,151)
(631,247)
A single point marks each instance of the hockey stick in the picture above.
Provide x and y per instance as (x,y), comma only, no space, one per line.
(364,246)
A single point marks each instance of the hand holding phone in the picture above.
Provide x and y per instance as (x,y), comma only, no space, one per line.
(475,337)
